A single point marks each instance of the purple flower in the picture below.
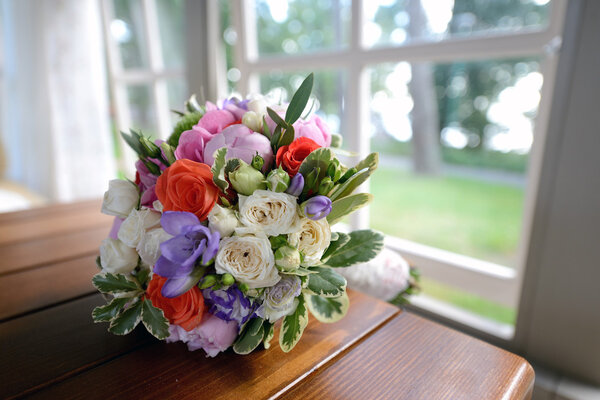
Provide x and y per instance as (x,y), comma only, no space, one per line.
(147,182)
(241,142)
(229,305)
(296,185)
(213,335)
(192,242)
(317,207)
(114,230)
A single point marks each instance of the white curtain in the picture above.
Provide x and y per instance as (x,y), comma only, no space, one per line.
(55,116)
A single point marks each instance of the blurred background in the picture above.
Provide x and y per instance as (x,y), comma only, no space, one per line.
(455,95)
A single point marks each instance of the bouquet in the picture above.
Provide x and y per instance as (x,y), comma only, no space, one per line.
(227,228)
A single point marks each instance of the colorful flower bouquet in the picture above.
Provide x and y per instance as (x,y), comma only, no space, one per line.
(226,229)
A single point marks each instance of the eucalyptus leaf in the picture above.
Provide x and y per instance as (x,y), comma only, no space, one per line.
(287,137)
(154,320)
(330,309)
(347,205)
(108,311)
(266,130)
(114,283)
(363,246)
(126,320)
(251,337)
(276,118)
(335,244)
(218,170)
(292,327)
(299,100)
(276,136)
(326,282)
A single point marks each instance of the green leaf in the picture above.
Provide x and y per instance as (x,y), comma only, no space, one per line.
(317,160)
(335,244)
(269,333)
(114,283)
(326,282)
(108,311)
(276,118)
(300,271)
(266,130)
(154,320)
(251,337)
(287,137)
(186,123)
(299,100)
(218,170)
(292,327)
(133,140)
(143,276)
(365,169)
(347,205)
(363,246)
(275,138)
(328,310)
(127,320)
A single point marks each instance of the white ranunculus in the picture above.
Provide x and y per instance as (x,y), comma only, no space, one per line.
(222,220)
(258,105)
(120,198)
(312,240)
(281,299)
(149,247)
(136,225)
(249,259)
(253,121)
(116,257)
(274,213)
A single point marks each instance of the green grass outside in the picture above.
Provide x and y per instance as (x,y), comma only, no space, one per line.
(465,216)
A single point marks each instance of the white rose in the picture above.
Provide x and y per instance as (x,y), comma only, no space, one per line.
(117,257)
(274,213)
(281,299)
(253,121)
(136,225)
(312,240)
(120,198)
(249,259)
(222,220)
(149,247)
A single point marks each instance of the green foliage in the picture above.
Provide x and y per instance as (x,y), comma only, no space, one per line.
(108,311)
(218,170)
(186,123)
(293,326)
(299,100)
(326,282)
(300,271)
(114,283)
(365,169)
(133,140)
(154,320)
(363,246)
(252,335)
(127,320)
(347,205)
(328,310)
(269,333)
(338,239)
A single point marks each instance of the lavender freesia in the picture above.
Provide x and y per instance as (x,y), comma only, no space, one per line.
(179,255)
(229,304)
(317,207)
(296,185)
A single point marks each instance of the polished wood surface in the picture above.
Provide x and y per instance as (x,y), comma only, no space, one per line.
(51,348)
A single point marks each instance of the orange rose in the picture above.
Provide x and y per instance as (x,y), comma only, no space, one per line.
(187,186)
(185,310)
(291,157)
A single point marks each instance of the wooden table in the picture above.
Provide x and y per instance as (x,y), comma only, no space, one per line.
(51,348)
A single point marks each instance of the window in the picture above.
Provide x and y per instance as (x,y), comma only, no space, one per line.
(449,93)
(146,56)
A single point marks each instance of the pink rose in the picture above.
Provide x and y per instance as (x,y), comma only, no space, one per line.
(242,143)
(314,129)
(191,145)
(213,335)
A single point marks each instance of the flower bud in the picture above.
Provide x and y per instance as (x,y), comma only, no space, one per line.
(278,180)
(227,280)
(222,220)
(278,241)
(334,171)
(153,168)
(168,152)
(312,179)
(243,287)
(317,207)
(253,121)
(245,179)
(149,148)
(336,140)
(258,105)
(258,162)
(296,185)
(348,175)
(287,258)
(326,185)
(208,281)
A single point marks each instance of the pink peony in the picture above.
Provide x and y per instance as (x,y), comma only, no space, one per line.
(191,145)
(213,335)
(314,129)
(242,143)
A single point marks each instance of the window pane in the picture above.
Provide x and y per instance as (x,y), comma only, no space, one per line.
(171,24)
(177,96)
(141,108)
(127,30)
(392,22)
(454,141)
(301,26)
(326,98)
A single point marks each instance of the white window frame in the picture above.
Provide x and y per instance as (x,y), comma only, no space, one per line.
(487,280)
(156,75)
